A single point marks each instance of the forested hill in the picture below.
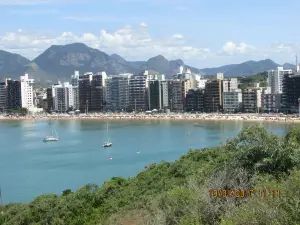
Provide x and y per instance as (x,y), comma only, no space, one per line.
(179,192)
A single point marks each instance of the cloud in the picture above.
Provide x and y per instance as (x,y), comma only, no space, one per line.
(133,43)
(142,24)
(232,48)
(136,43)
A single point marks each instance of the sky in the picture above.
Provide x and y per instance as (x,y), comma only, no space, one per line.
(203,33)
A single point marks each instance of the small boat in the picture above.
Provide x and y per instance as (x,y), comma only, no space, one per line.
(138,152)
(52,137)
(109,158)
(107,143)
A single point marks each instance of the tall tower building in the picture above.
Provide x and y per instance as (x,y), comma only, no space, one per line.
(275,78)
(26,91)
(63,97)
(90,92)
(137,93)
(13,94)
(117,92)
(2,96)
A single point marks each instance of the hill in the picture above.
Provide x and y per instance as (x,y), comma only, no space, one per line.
(11,63)
(60,62)
(188,191)
(245,68)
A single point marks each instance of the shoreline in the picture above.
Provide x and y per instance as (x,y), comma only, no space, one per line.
(174,117)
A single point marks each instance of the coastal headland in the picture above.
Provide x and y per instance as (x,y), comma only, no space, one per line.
(173,116)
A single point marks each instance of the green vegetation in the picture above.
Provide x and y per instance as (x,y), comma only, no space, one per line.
(249,81)
(178,192)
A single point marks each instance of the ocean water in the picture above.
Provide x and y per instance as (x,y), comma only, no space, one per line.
(29,167)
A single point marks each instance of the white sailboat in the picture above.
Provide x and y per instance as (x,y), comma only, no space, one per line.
(53,137)
(107,143)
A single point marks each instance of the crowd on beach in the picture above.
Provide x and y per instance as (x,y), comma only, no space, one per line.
(158,116)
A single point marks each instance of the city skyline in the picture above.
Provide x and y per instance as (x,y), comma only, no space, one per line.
(198,32)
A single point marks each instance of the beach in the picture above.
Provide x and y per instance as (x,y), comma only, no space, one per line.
(160,116)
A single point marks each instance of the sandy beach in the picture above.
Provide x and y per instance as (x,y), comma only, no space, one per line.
(162,116)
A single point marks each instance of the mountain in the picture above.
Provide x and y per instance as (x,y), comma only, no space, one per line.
(59,62)
(245,68)
(11,63)
(289,66)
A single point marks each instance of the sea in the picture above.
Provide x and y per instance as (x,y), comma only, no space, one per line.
(30,167)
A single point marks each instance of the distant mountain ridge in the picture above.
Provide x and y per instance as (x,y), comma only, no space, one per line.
(59,62)
(11,63)
(246,68)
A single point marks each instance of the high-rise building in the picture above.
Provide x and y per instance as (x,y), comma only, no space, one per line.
(200,81)
(275,78)
(232,101)
(154,95)
(230,84)
(188,84)
(157,94)
(195,100)
(117,92)
(220,76)
(84,86)
(96,102)
(176,93)
(164,98)
(90,92)
(50,106)
(63,97)
(75,79)
(291,92)
(137,93)
(104,89)
(13,94)
(2,96)
(75,85)
(271,102)
(26,91)
(251,100)
(213,96)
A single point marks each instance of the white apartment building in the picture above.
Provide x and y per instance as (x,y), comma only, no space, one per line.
(230,84)
(275,78)
(201,83)
(188,84)
(220,76)
(75,85)
(232,101)
(63,96)
(26,91)
(138,93)
(164,100)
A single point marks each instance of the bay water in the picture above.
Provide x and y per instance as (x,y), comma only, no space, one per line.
(29,167)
